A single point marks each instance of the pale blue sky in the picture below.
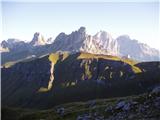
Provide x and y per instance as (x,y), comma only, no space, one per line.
(137,19)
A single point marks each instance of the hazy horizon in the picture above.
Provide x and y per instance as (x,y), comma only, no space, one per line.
(138,20)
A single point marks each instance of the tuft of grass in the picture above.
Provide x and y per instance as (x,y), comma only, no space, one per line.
(54,57)
(136,69)
(9,64)
(110,57)
(65,55)
(132,63)
(43,89)
(129,61)
(87,71)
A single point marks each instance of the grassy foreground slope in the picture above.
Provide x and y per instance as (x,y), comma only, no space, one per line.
(138,107)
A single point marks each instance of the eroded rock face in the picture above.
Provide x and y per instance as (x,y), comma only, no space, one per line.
(61,111)
(156,90)
(136,50)
(14,45)
(38,40)
(101,43)
(120,105)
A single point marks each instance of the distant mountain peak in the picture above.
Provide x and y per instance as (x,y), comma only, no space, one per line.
(82,30)
(136,49)
(103,35)
(124,36)
(38,40)
(11,43)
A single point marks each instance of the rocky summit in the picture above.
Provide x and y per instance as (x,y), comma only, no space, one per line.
(38,40)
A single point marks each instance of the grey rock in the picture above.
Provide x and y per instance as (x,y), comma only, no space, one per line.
(156,90)
(120,105)
(157,103)
(127,107)
(61,111)
(91,103)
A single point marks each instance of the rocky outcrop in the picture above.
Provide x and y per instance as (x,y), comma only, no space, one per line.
(139,107)
(101,43)
(38,40)
(14,45)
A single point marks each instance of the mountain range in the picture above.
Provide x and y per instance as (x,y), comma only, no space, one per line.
(78,41)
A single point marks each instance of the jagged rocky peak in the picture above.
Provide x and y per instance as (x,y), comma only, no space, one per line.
(61,36)
(4,44)
(82,30)
(70,42)
(74,36)
(50,40)
(103,35)
(123,37)
(11,43)
(81,34)
(38,40)
(105,41)
(78,35)
(126,38)
(101,43)
(136,50)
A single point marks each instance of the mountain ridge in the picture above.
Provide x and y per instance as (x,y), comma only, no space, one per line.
(62,74)
(78,41)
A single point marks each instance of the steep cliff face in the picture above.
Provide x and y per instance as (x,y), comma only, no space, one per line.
(38,40)
(101,43)
(136,50)
(71,42)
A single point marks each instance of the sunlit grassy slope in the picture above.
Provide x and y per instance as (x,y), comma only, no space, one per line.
(54,57)
(110,57)
(88,74)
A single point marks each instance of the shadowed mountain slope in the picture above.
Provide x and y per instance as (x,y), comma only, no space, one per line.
(63,77)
